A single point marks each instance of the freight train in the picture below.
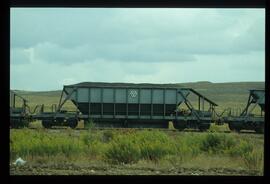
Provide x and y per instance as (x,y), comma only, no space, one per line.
(128,105)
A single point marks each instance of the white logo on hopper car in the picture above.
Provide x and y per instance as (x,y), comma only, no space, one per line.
(133,93)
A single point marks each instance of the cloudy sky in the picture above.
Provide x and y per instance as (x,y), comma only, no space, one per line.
(51,47)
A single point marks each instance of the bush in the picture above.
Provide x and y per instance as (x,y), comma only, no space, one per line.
(155,145)
(242,148)
(131,147)
(123,150)
(155,151)
(217,143)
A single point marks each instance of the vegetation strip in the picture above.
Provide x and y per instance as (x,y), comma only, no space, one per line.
(141,149)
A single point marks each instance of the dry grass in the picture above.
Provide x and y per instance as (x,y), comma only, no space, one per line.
(60,147)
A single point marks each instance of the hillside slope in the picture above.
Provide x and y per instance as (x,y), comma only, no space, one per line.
(226,95)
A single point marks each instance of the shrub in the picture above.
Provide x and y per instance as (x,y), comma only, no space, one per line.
(131,147)
(217,143)
(155,145)
(123,150)
(242,148)
(211,142)
(155,151)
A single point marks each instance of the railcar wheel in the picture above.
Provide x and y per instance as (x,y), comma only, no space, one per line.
(19,123)
(125,124)
(47,124)
(72,122)
(180,126)
(234,128)
(259,130)
(24,123)
(14,123)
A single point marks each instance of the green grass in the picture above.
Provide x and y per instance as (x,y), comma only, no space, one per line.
(134,147)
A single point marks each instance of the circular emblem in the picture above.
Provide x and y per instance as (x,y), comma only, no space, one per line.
(133,93)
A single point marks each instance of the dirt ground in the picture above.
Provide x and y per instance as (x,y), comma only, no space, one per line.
(121,170)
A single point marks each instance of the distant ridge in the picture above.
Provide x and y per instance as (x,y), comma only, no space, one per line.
(232,86)
(123,84)
(230,94)
(203,82)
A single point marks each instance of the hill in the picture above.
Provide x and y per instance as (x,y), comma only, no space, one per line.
(226,95)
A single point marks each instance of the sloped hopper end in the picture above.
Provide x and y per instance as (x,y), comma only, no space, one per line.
(70,93)
(187,91)
(258,97)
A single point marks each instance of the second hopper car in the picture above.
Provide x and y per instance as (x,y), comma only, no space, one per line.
(19,116)
(131,106)
(248,120)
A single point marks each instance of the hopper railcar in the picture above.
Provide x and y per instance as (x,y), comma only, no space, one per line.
(247,120)
(19,115)
(131,106)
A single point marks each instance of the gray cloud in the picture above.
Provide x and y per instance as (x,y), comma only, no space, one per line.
(137,45)
(20,56)
(135,52)
(75,27)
